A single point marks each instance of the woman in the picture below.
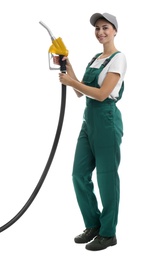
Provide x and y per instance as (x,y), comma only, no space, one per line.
(98,144)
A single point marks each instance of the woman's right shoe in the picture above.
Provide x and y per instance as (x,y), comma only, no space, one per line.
(87,235)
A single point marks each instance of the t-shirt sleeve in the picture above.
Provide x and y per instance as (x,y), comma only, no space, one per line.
(118,64)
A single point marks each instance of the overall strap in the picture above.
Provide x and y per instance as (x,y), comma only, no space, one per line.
(108,59)
(94,58)
(105,62)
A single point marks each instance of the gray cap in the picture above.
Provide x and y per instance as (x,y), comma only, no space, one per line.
(109,17)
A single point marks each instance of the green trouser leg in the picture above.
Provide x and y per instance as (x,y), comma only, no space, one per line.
(84,164)
(99,146)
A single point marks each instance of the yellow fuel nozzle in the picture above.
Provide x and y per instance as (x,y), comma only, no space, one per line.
(58,47)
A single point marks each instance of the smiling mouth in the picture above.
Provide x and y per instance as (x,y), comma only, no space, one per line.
(101,38)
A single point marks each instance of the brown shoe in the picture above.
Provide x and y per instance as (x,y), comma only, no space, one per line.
(87,235)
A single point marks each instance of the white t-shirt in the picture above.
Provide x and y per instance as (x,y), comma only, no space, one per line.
(117,64)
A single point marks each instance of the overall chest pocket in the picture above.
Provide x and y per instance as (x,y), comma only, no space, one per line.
(91,77)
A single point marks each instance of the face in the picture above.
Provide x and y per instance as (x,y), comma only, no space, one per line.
(104,31)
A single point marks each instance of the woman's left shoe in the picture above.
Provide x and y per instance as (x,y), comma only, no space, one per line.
(100,243)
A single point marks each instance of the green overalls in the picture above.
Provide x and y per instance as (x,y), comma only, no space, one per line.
(98,146)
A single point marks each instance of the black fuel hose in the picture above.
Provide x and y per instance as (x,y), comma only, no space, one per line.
(50,159)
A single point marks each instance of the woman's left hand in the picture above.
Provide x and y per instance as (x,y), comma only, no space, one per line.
(65,79)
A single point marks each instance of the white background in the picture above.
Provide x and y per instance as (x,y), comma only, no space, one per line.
(29,108)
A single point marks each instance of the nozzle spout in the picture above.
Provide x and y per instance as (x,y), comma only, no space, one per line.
(46,27)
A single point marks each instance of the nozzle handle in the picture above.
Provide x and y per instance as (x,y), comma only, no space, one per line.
(62,63)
